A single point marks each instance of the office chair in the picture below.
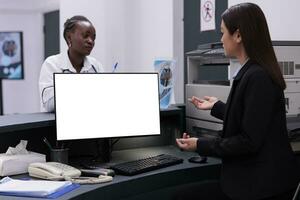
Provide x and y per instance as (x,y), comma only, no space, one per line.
(296,196)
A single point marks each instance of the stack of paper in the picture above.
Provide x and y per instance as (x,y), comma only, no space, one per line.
(32,188)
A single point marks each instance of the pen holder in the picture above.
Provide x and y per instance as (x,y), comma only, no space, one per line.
(59,155)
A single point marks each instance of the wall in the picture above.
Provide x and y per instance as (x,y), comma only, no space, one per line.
(178,49)
(133,33)
(11,6)
(22,96)
(282,17)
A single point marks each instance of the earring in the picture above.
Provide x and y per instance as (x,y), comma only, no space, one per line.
(70,45)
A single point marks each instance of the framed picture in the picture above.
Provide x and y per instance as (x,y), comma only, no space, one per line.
(11,55)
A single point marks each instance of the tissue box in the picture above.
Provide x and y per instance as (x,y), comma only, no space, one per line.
(18,164)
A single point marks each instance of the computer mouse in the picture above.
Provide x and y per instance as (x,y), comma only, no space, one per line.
(198,159)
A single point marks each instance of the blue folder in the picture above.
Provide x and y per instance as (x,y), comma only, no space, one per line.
(54,195)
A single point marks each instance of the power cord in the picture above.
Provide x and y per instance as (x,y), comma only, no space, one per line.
(89,180)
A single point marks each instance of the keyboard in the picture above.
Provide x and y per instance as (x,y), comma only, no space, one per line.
(146,164)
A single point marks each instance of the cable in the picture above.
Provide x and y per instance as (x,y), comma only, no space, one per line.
(89,180)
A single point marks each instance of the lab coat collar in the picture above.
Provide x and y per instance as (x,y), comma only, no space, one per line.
(87,66)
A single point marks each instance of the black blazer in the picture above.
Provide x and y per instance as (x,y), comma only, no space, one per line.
(257,158)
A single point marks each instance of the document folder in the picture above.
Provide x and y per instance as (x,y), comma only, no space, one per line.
(35,188)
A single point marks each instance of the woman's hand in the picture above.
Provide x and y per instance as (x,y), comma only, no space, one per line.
(204,104)
(187,143)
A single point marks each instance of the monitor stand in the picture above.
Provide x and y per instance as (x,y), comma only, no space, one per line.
(103,150)
(102,154)
(198,159)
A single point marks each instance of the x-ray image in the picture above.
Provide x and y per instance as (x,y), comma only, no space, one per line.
(11,55)
(165,68)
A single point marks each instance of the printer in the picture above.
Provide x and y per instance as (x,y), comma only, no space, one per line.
(210,73)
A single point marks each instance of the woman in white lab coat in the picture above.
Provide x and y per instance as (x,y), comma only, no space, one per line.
(80,36)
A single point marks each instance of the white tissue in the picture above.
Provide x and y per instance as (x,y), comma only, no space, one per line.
(19,149)
(18,164)
(17,159)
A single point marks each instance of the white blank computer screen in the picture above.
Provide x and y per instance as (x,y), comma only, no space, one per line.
(106,105)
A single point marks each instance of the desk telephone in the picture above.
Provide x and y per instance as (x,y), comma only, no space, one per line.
(58,171)
(52,171)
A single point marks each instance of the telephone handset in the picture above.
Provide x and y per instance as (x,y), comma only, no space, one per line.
(52,171)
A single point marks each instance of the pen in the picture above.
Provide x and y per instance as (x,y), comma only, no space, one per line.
(115,67)
(47,143)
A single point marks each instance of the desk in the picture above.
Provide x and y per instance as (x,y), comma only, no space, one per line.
(32,127)
(157,184)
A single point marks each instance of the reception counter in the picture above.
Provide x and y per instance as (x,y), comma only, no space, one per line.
(157,184)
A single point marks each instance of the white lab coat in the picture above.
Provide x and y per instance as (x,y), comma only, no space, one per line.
(60,63)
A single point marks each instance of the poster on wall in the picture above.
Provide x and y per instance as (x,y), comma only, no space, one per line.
(207,15)
(165,69)
(11,55)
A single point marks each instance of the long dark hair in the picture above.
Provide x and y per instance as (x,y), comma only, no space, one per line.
(249,19)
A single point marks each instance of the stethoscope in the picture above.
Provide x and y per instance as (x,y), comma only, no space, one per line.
(63,71)
(69,71)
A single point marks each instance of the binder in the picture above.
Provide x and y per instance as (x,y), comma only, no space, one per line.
(35,188)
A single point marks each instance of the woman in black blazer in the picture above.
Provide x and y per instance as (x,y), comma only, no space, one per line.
(257,160)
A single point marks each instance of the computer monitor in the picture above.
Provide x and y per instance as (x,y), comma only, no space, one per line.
(106,105)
